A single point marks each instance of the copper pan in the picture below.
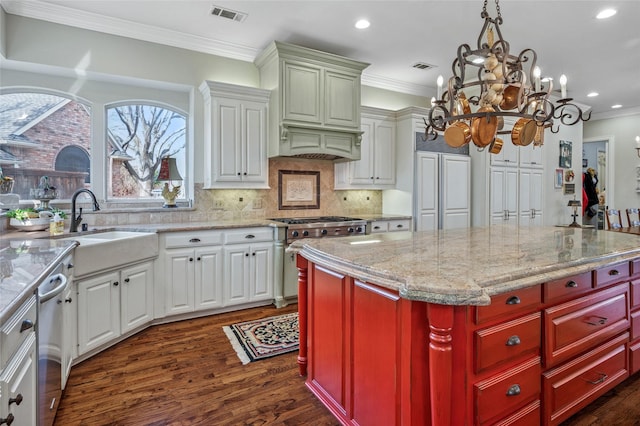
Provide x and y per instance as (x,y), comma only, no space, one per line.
(463,104)
(496,146)
(484,128)
(509,98)
(523,132)
(457,134)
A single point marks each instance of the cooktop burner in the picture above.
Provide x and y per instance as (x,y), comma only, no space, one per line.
(318,219)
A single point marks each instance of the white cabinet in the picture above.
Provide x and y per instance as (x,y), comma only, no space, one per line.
(504,195)
(442,191)
(235,136)
(391,225)
(18,362)
(69,331)
(113,304)
(531,156)
(530,197)
(248,265)
(508,155)
(194,279)
(376,168)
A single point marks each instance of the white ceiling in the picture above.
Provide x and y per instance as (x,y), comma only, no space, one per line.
(596,55)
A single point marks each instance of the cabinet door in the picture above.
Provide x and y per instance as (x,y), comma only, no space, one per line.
(236,274)
(180,278)
(530,197)
(254,143)
(504,195)
(362,172)
(227,150)
(427,191)
(508,155)
(98,311)
(136,296)
(301,93)
(341,92)
(384,158)
(531,156)
(19,378)
(456,191)
(70,331)
(261,272)
(208,277)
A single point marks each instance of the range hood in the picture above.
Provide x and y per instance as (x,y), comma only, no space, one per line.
(314,108)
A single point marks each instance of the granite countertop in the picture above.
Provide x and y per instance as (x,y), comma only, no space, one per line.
(468,266)
(24,263)
(382,216)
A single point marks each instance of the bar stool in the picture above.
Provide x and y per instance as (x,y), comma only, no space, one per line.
(633,217)
(614,221)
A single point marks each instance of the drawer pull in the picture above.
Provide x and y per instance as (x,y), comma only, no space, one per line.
(8,420)
(601,379)
(614,272)
(597,320)
(399,226)
(513,341)
(194,240)
(571,284)
(513,300)
(249,236)
(17,400)
(514,390)
(26,325)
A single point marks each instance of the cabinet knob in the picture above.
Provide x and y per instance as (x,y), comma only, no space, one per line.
(614,272)
(26,325)
(239,174)
(253,254)
(198,259)
(7,420)
(571,284)
(191,259)
(513,300)
(513,341)
(126,280)
(194,240)
(246,254)
(514,390)
(68,300)
(250,236)
(399,226)
(116,283)
(597,320)
(17,399)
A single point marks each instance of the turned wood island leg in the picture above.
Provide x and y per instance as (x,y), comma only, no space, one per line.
(302,265)
(440,362)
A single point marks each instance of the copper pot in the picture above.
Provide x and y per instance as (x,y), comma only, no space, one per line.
(496,146)
(523,132)
(483,129)
(457,134)
(463,105)
(509,97)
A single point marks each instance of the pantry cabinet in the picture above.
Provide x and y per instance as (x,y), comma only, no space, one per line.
(376,168)
(504,195)
(235,136)
(113,304)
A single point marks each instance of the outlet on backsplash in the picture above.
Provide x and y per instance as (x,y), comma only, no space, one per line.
(257,203)
(218,204)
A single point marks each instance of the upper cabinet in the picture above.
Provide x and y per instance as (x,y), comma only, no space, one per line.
(236,131)
(376,168)
(315,105)
(513,156)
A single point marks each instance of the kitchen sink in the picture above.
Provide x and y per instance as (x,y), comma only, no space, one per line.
(107,250)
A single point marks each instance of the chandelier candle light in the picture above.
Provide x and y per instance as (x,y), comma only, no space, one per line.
(498,85)
(169,173)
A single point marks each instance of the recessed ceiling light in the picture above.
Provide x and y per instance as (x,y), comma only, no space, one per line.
(593,94)
(616,106)
(606,13)
(362,24)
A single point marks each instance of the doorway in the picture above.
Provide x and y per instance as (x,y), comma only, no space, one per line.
(596,156)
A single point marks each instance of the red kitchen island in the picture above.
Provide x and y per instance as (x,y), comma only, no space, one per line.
(499,325)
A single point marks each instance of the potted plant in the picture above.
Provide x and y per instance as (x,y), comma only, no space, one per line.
(30,219)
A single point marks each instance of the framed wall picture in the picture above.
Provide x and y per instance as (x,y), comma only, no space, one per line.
(565,154)
(569,188)
(559,177)
(298,190)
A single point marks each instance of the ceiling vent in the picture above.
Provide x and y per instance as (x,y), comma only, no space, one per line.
(228,14)
(423,66)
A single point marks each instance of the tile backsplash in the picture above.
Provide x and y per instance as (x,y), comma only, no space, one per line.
(235,204)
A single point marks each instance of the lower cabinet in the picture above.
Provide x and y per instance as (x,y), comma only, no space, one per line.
(392,225)
(112,304)
(249,273)
(69,331)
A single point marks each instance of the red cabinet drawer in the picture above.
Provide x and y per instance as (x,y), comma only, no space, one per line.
(611,274)
(507,341)
(504,393)
(635,294)
(527,416)
(635,325)
(575,384)
(567,288)
(510,304)
(634,358)
(578,325)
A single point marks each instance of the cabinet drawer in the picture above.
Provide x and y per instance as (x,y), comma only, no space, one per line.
(634,358)
(193,239)
(635,294)
(576,326)
(379,226)
(611,274)
(508,341)
(635,325)
(567,288)
(506,392)
(253,235)
(399,225)
(16,329)
(508,304)
(527,416)
(577,383)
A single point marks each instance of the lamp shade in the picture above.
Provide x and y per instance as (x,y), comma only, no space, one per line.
(168,170)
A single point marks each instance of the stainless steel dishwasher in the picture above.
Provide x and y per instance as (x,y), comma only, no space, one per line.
(49,335)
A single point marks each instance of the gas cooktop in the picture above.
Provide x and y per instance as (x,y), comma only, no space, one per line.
(318,219)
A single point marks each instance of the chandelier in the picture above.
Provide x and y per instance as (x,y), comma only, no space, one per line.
(497,84)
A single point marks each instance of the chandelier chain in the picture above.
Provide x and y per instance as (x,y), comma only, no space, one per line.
(485,14)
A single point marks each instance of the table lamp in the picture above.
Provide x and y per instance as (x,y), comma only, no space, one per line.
(575,204)
(169,173)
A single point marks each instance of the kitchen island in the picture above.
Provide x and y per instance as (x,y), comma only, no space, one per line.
(477,326)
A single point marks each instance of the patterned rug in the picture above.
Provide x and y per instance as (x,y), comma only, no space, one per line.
(264,338)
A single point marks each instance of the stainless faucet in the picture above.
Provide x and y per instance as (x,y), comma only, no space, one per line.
(75,221)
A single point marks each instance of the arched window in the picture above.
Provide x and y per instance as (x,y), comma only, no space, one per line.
(74,159)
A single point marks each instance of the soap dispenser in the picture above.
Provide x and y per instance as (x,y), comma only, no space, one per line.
(57,225)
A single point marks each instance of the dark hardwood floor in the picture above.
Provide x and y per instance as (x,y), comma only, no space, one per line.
(186,373)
